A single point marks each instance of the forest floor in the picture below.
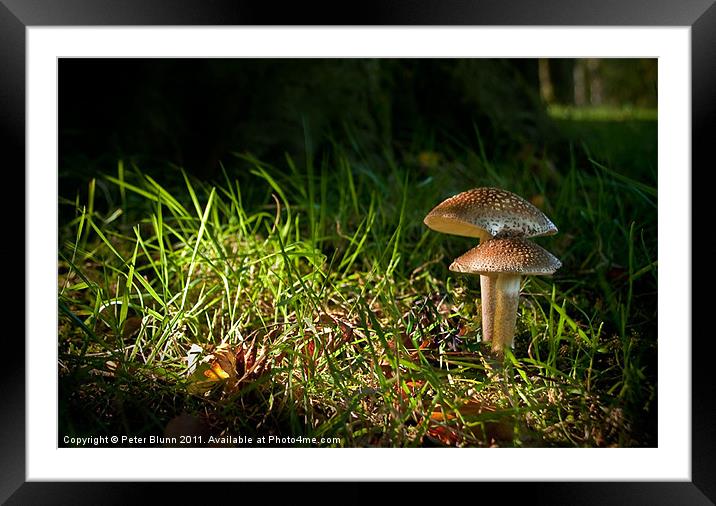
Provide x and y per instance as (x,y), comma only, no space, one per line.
(309,299)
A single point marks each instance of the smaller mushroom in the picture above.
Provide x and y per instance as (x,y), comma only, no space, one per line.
(506,261)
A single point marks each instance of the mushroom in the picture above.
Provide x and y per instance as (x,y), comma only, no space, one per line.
(488,213)
(505,261)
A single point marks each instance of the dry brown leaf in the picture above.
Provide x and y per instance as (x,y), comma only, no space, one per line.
(186,425)
(132,325)
(445,426)
(230,366)
(222,363)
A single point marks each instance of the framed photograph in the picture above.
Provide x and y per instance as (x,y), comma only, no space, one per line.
(428,244)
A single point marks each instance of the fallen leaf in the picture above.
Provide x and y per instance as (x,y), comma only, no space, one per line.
(132,325)
(229,367)
(222,362)
(538,200)
(186,425)
(450,431)
(428,159)
(213,369)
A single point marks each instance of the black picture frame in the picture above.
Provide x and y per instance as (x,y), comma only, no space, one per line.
(699,15)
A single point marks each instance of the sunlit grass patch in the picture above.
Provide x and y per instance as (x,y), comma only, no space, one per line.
(602,113)
(312,301)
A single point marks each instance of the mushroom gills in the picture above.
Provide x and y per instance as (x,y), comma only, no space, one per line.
(455,226)
(507,298)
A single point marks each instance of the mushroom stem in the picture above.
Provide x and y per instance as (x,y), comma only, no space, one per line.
(487,301)
(507,298)
(487,297)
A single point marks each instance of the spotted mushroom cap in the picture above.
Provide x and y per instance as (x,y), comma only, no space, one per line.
(498,212)
(513,255)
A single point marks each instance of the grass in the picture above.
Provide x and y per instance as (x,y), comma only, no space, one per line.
(602,113)
(311,301)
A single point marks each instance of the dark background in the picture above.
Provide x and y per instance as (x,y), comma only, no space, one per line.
(196,112)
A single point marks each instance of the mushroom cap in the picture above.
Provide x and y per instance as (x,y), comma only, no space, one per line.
(513,255)
(498,212)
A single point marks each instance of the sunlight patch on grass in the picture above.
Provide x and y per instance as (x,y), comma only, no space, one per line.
(601,113)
